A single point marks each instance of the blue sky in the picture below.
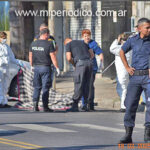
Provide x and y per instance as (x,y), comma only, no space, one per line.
(4,4)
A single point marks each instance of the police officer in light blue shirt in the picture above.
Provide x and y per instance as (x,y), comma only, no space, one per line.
(139,78)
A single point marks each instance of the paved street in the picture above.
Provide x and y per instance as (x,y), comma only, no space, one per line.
(20,130)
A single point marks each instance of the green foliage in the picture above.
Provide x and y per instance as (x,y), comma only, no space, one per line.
(4,22)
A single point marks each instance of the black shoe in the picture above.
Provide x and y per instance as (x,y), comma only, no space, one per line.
(36,109)
(128,136)
(147,134)
(47,110)
(6,106)
(122,110)
(92,109)
(84,108)
(1,106)
(35,106)
(74,108)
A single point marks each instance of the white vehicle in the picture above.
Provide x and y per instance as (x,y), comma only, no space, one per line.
(13,71)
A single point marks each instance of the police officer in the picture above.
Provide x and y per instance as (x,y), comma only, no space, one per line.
(41,54)
(78,53)
(139,78)
(51,39)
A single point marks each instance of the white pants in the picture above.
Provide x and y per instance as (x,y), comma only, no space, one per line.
(122,81)
(4,77)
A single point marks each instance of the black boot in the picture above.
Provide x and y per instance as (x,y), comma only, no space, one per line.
(91,107)
(147,134)
(74,107)
(46,109)
(84,108)
(35,106)
(128,136)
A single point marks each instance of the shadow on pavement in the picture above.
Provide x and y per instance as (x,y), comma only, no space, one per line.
(38,123)
(86,147)
(11,132)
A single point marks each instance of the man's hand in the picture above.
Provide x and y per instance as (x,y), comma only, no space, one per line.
(57,72)
(130,70)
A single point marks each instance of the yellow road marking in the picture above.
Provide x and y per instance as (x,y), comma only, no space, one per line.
(16,143)
(19,142)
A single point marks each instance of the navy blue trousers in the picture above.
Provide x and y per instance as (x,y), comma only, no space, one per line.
(135,87)
(82,78)
(91,91)
(42,80)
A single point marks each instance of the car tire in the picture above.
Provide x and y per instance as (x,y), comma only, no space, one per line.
(13,90)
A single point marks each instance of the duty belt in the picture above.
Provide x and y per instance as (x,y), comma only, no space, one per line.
(81,62)
(141,72)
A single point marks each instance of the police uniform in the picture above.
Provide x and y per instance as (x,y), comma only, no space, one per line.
(97,51)
(51,39)
(83,70)
(41,50)
(140,79)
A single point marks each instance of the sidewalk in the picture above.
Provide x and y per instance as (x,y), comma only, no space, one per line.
(105,91)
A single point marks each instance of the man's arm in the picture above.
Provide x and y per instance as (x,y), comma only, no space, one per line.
(30,58)
(54,59)
(101,57)
(129,69)
(69,58)
(56,48)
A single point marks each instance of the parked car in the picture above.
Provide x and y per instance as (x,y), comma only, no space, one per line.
(13,88)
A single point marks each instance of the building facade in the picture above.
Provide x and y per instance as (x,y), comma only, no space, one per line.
(104,26)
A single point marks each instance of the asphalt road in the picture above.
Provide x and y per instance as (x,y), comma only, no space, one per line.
(100,130)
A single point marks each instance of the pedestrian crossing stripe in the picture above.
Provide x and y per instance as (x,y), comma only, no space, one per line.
(97,127)
(40,128)
(49,129)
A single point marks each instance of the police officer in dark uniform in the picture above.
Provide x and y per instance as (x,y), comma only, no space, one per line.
(41,56)
(139,78)
(51,39)
(78,53)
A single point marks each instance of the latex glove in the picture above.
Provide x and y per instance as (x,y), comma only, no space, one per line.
(57,72)
(21,64)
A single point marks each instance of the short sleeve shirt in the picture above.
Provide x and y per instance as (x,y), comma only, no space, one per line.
(140,51)
(41,50)
(79,50)
(51,38)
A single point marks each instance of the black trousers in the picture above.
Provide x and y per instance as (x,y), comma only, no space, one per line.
(82,79)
